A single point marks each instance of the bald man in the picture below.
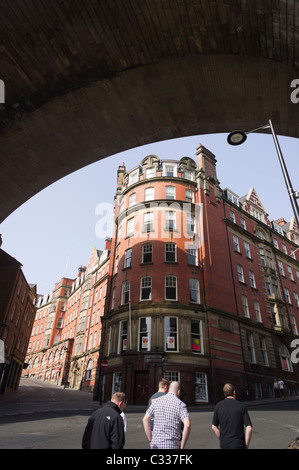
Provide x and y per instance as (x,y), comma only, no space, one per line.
(169,413)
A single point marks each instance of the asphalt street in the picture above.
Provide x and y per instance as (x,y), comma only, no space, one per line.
(43,416)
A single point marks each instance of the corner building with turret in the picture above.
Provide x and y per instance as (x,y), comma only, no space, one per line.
(196,291)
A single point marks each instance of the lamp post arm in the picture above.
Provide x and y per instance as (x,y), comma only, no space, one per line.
(292,193)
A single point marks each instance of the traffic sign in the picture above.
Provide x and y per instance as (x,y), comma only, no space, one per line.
(104,364)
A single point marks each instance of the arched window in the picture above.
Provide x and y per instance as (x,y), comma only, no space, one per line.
(89,369)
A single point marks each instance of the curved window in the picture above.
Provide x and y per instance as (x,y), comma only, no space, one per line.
(170,288)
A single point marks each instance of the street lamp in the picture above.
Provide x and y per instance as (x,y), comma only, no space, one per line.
(239,137)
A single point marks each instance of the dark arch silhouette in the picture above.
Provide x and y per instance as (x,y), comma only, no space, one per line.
(86,80)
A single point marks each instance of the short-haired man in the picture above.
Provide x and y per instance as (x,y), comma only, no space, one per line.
(105,427)
(232,416)
(169,412)
(163,389)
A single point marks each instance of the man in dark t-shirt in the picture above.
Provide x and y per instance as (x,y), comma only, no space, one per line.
(231,416)
(163,389)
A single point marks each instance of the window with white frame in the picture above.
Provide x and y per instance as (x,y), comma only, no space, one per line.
(287,295)
(130,227)
(171,334)
(128,258)
(113,298)
(250,347)
(275,243)
(170,252)
(196,336)
(243,223)
(262,256)
(240,273)
(116,382)
(89,370)
(150,172)
(190,224)
(194,290)
(188,175)
(146,288)
(189,195)
(169,192)
(192,255)
(252,279)
(257,310)
(170,170)
(296,299)
(263,348)
(170,288)
(232,217)
(149,194)
(132,200)
(145,334)
(125,293)
(201,387)
(290,273)
(123,336)
(281,269)
(170,220)
(172,376)
(133,177)
(245,306)
(147,253)
(236,243)
(247,249)
(294,325)
(148,222)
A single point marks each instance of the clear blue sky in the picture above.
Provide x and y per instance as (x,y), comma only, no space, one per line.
(53,233)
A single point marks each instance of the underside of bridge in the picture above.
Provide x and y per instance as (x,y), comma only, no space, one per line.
(87,79)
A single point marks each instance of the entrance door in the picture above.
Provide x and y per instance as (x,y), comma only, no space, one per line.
(141,394)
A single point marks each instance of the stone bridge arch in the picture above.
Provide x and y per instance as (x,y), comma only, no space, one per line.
(87,79)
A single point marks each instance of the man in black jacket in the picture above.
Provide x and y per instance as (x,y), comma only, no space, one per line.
(105,427)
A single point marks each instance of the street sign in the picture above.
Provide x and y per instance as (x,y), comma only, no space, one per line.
(104,364)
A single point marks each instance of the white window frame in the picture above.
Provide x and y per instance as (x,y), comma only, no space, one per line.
(171,336)
(196,336)
(130,227)
(149,194)
(122,337)
(125,291)
(171,283)
(144,336)
(201,387)
(194,290)
(145,284)
(170,192)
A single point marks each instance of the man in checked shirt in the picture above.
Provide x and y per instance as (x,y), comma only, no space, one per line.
(169,412)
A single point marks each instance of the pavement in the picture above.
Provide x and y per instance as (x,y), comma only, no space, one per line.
(35,396)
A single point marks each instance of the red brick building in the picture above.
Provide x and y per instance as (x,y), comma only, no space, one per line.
(196,285)
(66,336)
(17,312)
(204,288)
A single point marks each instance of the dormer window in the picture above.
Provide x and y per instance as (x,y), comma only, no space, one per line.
(150,172)
(188,175)
(133,177)
(232,197)
(170,170)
